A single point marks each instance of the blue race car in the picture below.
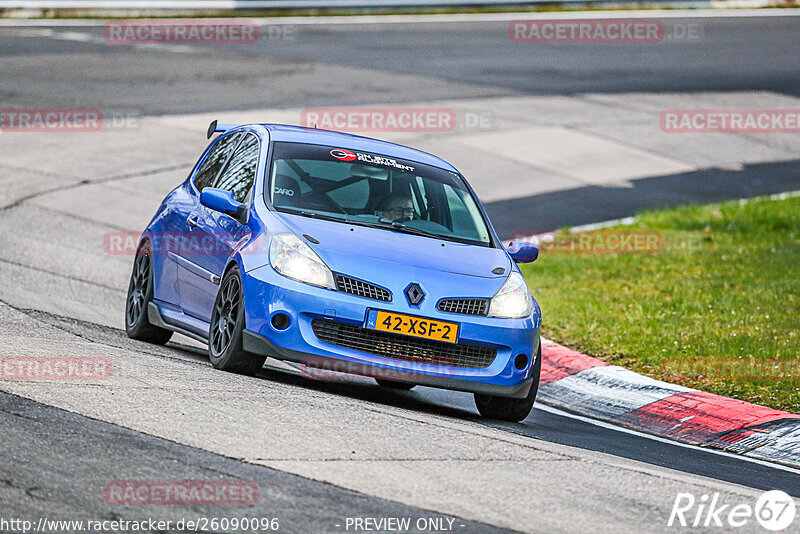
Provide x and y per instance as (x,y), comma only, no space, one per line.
(342,253)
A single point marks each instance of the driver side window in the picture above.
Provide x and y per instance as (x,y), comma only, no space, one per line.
(240,171)
(214,161)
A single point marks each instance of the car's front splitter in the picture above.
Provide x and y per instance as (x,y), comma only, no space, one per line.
(322,366)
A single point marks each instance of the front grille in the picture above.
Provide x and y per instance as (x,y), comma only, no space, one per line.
(353,286)
(400,347)
(464,306)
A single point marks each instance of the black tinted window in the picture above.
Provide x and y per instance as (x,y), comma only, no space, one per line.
(240,172)
(215,160)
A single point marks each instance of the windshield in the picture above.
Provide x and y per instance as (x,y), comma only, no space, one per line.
(364,188)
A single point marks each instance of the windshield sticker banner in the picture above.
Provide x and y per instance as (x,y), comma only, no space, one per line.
(346,155)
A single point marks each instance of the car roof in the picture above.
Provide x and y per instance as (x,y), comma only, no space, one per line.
(314,136)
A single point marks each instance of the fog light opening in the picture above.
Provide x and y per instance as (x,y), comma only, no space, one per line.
(521,361)
(280,321)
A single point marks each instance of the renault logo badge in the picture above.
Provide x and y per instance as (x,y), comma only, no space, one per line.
(414,294)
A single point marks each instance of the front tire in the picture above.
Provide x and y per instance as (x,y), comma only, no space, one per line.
(140,294)
(508,409)
(227,325)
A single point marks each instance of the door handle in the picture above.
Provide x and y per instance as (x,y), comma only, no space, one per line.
(192,220)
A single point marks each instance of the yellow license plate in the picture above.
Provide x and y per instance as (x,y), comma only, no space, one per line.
(400,323)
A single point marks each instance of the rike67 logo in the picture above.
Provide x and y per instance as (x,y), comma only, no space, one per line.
(774,511)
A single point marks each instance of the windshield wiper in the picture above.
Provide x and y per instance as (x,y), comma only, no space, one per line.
(384,225)
(400,227)
(321,216)
(314,215)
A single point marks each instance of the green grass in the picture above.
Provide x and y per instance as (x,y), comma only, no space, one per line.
(717,309)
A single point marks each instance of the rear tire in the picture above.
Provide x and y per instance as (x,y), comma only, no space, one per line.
(508,409)
(391,384)
(227,325)
(140,294)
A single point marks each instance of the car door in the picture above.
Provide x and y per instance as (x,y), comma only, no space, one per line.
(215,234)
(184,225)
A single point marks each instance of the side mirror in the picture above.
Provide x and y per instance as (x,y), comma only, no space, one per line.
(223,201)
(522,251)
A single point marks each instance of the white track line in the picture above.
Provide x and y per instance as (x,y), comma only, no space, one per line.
(539,405)
(627,221)
(610,426)
(462,17)
(596,422)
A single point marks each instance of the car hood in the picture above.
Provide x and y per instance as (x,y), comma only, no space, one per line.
(342,246)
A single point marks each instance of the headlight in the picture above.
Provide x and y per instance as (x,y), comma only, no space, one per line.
(291,257)
(513,301)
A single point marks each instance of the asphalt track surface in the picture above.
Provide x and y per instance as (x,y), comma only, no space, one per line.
(48,447)
(61,446)
(315,65)
(308,65)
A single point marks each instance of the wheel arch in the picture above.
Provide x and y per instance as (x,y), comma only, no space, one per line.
(143,240)
(235,261)
(232,262)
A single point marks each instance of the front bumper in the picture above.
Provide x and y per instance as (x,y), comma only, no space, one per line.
(267,293)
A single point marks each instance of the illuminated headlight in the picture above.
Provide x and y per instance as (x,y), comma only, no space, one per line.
(291,257)
(513,301)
